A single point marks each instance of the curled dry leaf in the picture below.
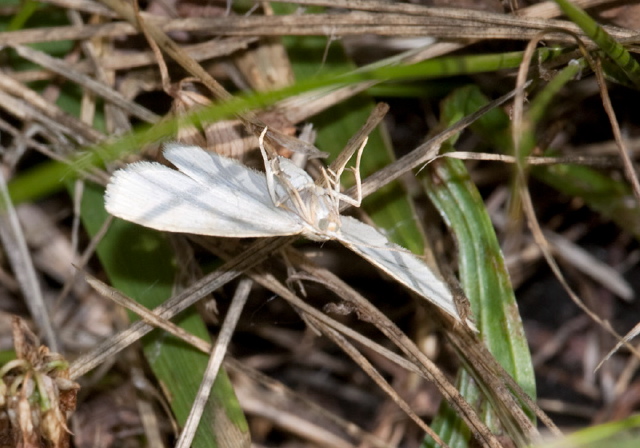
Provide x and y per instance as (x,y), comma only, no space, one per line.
(36,394)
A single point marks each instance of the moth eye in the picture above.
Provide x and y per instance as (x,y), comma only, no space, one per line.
(328,225)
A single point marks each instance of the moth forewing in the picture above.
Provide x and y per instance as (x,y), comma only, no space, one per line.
(397,262)
(210,195)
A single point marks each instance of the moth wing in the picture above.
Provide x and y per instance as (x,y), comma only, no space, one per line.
(218,172)
(403,266)
(159,197)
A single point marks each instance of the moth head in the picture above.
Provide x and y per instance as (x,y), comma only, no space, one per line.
(323,229)
(328,227)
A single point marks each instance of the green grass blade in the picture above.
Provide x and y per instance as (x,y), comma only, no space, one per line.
(139,262)
(28,8)
(611,198)
(542,100)
(536,112)
(483,273)
(460,65)
(621,434)
(608,44)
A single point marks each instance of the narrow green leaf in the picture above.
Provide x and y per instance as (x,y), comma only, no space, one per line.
(483,273)
(29,7)
(608,44)
(621,434)
(459,65)
(542,100)
(536,111)
(612,198)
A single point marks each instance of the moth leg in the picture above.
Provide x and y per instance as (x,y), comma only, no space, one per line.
(333,189)
(291,274)
(340,169)
(344,198)
(333,186)
(268,168)
(273,172)
(333,180)
(295,197)
(356,173)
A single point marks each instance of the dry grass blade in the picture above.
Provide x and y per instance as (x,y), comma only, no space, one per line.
(215,362)
(100,89)
(84,258)
(462,23)
(629,168)
(34,107)
(426,151)
(408,20)
(604,162)
(19,256)
(290,396)
(371,314)
(625,340)
(591,266)
(544,10)
(542,242)
(147,315)
(494,377)
(214,48)
(83,5)
(355,142)
(582,260)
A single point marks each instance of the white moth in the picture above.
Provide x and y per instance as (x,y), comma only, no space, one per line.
(215,195)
